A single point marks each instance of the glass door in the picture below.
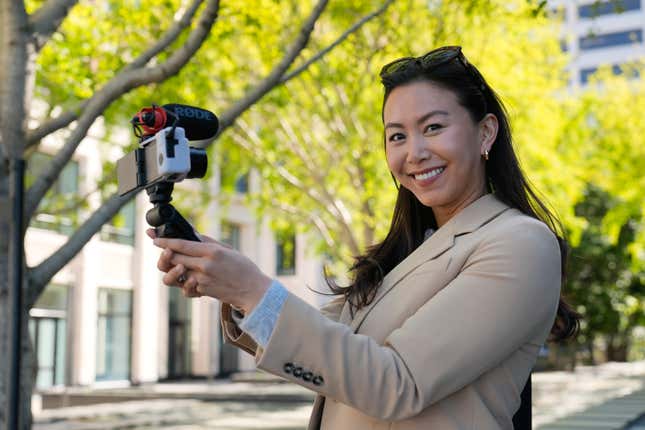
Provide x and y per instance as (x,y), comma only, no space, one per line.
(114,333)
(48,332)
(49,337)
(178,335)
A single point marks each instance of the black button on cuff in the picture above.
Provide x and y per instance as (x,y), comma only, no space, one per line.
(288,367)
(307,376)
(318,380)
(297,372)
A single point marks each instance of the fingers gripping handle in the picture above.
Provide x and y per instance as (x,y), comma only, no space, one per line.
(169,223)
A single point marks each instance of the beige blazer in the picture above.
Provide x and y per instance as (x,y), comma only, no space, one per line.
(448,342)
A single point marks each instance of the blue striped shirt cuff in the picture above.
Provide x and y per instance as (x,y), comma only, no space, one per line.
(259,324)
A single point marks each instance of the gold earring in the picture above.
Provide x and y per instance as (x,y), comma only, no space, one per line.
(486,154)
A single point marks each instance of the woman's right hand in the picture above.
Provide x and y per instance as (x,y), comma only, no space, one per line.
(175,272)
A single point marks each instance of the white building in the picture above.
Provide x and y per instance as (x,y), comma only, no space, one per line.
(595,33)
(106,318)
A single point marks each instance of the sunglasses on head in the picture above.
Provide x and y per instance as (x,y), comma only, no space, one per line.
(432,59)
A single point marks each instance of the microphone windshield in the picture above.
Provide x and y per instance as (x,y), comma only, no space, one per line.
(199,124)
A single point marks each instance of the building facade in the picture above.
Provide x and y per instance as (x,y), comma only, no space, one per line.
(600,33)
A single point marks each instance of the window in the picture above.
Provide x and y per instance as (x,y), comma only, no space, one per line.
(242,184)
(48,331)
(230,234)
(234,175)
(585,74)
(120,229)
(179,316)
(286,254)
(599,8)
(57,211)
(596,41)
(113,335)
(557,13)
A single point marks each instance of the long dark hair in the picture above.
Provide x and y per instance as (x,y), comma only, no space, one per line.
(504,178)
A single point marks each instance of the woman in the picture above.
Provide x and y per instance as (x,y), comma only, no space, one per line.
(443,321)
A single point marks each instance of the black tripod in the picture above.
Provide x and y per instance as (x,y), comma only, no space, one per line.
(164,217)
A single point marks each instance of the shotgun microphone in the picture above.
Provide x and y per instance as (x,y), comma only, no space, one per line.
(199,124)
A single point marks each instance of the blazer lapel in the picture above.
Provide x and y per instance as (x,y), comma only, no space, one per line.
(469,219)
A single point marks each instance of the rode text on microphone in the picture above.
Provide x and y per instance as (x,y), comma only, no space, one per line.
(165,157)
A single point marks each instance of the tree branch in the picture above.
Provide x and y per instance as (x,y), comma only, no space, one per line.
(277,76)
(40,275)
(334,207)
(337,42)
(35,135)
(46,20)
(292,142)
(169,37)
(327,114)
(274,78)
(63,120)
(252,145)
(318,222)
(115,88)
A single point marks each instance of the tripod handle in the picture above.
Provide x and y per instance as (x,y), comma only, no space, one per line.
(169,223)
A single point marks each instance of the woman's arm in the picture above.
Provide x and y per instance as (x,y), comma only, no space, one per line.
(255,329)
(506,295)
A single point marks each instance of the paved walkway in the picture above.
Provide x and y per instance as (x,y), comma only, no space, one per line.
(621,413)
(600,397)
(179,414)
(610,396)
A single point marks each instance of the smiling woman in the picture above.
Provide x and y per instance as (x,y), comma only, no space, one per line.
(435,149)
(443,320)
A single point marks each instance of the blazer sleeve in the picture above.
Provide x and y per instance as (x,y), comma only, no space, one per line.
(235,336)
(333,308)
(505,296)
(232,332)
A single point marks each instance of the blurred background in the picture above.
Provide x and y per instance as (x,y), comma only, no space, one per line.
(297,181)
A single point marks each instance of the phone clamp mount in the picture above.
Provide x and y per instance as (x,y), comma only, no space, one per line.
(164,157)
(166,220)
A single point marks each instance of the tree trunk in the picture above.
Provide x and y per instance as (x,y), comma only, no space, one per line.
(618,347)
(27,357)
(4,292)
(27,373)
(592,357)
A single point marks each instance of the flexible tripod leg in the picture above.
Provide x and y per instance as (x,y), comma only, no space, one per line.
(168,222)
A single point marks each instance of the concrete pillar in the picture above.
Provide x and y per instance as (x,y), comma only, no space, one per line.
(146,303)
(85,299)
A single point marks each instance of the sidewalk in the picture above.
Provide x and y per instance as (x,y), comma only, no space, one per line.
(218,390)
(615,414)
(590,394)
(608,396)
(189,405)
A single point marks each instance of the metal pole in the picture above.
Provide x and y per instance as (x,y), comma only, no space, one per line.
(16,248)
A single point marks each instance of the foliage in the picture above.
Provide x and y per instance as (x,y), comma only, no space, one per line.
(601,283)
(614,109)
(317,142)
